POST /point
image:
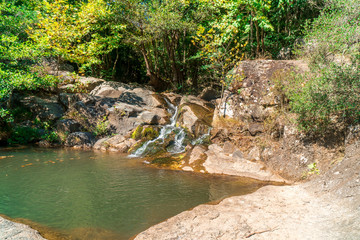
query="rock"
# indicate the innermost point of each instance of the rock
(68, 126)
(110, 89)
(228, 148)
(45, 109)
(254, 154)
(66, 99)
(17, 231)
(208, 94)
(257, 216)
(256, 128)
(173, 98)
(195, 118)
(162, 114)
(101, 144)
(197, 154)
(192, 100)
(117, 143)
(90, 83)
(237, 154)
(149, 118)
(220, 163)
(80, 139)
(187, 168)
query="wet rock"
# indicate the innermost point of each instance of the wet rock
(68, 126)
(17, 231)
(80, 139)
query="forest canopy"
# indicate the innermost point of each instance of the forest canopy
(177, 44)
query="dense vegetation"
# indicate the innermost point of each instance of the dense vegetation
(184, 45)
(328, 97)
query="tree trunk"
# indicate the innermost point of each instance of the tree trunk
(155, 81)
(257, 39)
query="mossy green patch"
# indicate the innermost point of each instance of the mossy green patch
(149, 133)
(137, 133)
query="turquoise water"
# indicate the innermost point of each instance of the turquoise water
(101, 195)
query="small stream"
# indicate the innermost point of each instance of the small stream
(90, 195)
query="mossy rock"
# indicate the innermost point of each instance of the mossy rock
(149, 132)
(145, 133)
(137, 133)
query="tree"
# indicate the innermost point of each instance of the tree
(81, 34)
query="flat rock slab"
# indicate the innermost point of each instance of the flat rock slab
(17, 231)
(273, 212)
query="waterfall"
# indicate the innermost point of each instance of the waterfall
(165, 131)
(201, 139)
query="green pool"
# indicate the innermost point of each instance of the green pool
(90, 195)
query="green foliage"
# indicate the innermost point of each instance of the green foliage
(18, 54)
(51, 137)
(23, 135)
(81, 33)
(328, 97)
(101, 128)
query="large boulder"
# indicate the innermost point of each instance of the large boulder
(110, 89)
(45, 108)
(68, 126)
(195, 115)
(221, 163)
(80, 140)
(117, 143)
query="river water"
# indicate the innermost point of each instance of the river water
(93, 195)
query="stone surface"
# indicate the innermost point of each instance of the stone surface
(117, 143)
(221, 163)
(195, 117)
(273, 212)
(208, 94)
(327, 207)
(68, 126)
(80, 139)
(197, 154)
(110, 89)
(17, 231)
(45, 108)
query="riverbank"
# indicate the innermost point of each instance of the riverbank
(327, 207)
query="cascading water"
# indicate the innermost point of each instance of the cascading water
(202, 139)
(180, 134)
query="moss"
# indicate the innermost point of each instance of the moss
(149, 133)
(137, 133)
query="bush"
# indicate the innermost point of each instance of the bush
(23, 135)
(328, 97)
